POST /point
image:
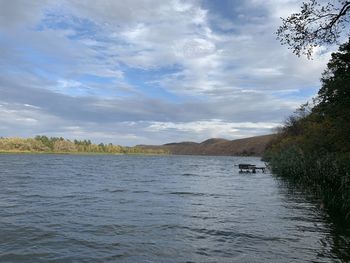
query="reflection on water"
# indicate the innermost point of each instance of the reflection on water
(336, 241)
(62, 208)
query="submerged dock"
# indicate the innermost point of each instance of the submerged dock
(250, 168)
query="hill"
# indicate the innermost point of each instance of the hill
(216, 146)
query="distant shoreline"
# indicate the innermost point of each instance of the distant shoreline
(51, 145)
(252, 146)
(78, 153)
(119, 154)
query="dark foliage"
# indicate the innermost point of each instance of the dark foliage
(313, 147)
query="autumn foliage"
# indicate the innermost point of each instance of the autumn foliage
(45, 144)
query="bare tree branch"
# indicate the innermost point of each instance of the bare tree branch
(315, 25)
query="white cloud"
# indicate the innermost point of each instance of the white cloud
(19, 13)
(175, 66)
(213, 128)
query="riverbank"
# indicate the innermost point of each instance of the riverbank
(312, 149)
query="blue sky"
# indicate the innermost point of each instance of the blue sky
(150, 72)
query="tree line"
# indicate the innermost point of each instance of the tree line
(44, 144)
(312, 148)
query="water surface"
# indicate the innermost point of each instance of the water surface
(71, 208)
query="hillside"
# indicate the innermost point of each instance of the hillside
(216, 146)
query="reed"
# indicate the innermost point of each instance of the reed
(326, 176)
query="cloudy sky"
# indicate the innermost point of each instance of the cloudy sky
(152, 72)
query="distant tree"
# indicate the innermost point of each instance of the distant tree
(294, 124)
(318, 23)
(45, 140)
(102, 147)
(64, 146)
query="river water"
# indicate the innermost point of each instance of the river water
(72, 208)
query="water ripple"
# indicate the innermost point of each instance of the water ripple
(61, 208)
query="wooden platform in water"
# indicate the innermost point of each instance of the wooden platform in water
(250, 168)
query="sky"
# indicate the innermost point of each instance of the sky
(149, 71)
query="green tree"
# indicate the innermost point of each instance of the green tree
(335, 89)
(45, 140)
(334, 98)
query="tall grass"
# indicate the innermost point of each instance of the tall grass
(326, 175)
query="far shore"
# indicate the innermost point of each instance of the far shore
(41, 144)
(119, 154)
(78, 153)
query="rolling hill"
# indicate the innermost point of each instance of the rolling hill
(216, 146)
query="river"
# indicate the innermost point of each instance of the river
(100, 208)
